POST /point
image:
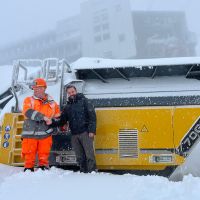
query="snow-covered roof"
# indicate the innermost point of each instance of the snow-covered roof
(98, 63)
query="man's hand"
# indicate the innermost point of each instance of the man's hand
(91, 135)
(47, 120)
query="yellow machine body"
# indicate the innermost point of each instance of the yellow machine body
(129, 138)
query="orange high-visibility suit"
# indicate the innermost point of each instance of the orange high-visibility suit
(35, 135)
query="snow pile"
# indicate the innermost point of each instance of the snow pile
(61, 184)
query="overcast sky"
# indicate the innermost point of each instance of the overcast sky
(21, 19)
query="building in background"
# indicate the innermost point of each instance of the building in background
(109, 29)
(30, 48)
(162, 34)
(63, 42)
(68, 38)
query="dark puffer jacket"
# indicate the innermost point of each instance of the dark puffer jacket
(80, 114)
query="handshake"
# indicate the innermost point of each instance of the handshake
(63, 128)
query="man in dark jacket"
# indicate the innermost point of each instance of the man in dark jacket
(82, 122)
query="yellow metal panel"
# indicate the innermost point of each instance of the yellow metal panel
(10, 139)
(155, 131)
(6, 144)
(158, 122)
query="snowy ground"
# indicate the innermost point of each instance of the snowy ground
(58, 184)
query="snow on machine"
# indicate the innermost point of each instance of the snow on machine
(148, 112)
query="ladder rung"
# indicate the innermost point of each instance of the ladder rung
(17, 150)
(18, 137)
(20, 124)
(17, 140)
(16, 153)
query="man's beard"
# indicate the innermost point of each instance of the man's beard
(72, 97)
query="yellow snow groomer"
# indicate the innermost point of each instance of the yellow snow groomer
(147, 115)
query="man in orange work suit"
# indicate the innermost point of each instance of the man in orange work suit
(36, 136)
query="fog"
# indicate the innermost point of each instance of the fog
(23, 19)
(190, 7)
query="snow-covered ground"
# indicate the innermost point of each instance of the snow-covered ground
(59, 184)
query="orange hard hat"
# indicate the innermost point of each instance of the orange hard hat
(39, 82)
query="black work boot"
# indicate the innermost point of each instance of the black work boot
(43, 168)
(29, 169)
(83, 167)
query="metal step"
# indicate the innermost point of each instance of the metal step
(17, 152)
(17, 138)
(20, 124)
